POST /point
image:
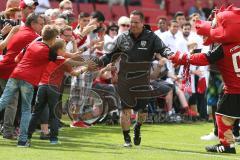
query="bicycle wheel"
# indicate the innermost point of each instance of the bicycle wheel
(90, 112)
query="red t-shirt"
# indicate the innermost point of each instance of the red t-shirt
(100, 80)
(33, 63)
(21, 39)
(54, 72)
(229, 67)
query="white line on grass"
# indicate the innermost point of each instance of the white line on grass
(199, 154)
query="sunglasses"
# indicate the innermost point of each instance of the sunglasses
(125, 25)
(113, 29)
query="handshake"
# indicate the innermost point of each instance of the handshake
(179, 58)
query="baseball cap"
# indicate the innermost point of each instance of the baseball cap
(27, 3)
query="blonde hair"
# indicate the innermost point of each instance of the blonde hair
(11, 12)
(61, 4)
(123, 20)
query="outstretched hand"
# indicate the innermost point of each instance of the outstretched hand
(91, 65)
(179, 59)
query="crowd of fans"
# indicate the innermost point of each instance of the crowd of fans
(24, 58)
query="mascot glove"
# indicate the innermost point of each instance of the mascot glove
(179, 59)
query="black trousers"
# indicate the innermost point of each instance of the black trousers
(46, 96)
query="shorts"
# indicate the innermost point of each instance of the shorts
(228, 105)
(141, 104)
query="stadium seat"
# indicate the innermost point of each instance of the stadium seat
(54, 4)
(76, 10)
(3, 5)
(86, 7)
(151, 15)
(235, 2)
(150, 4)
(132, 8)
(219, 3)
(188, 5)
(118, 11)
(105, 9)
(175, 6)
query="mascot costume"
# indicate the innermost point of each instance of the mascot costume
(223, 30)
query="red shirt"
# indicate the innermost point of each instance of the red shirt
(229, 67)
(33, 63)
(54, 72)
(20, 40)
(100, 80)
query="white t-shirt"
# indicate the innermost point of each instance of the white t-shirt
(171, 41)
(194, 37)
(159, 33)
(69, 47)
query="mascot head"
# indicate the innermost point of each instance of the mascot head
(224, 28)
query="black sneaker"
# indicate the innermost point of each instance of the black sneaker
(137, 134)
(219, 148)
(23, 144)
(1, 129)
(127, 140)
(10, 137)
(127, 144)
(237, 140)
(44, 136)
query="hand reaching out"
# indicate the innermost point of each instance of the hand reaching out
(6, 29)
(91, 65)
(88, 29)
(15, 29)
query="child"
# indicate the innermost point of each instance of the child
(48, 91)
(26, 75)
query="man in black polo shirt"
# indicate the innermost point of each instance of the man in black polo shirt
(137, 48)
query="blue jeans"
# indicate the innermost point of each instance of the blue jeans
(9, 113)
(26, 92)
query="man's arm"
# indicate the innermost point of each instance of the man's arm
(4, 43)
(106, 59)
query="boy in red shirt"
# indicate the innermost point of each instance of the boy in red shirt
(48, 91)
(26, 75)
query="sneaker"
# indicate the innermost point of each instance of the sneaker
(237, 140)
(191, 113)
(79, 124)
(1, 129)
(127, 144)
(24, 144)
(44, 136)
(137, 135)
(10, 137)
(55, 142)
(219, 148)
(209, 137)
(127, 140)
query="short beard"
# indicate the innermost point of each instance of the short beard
(186, 34)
